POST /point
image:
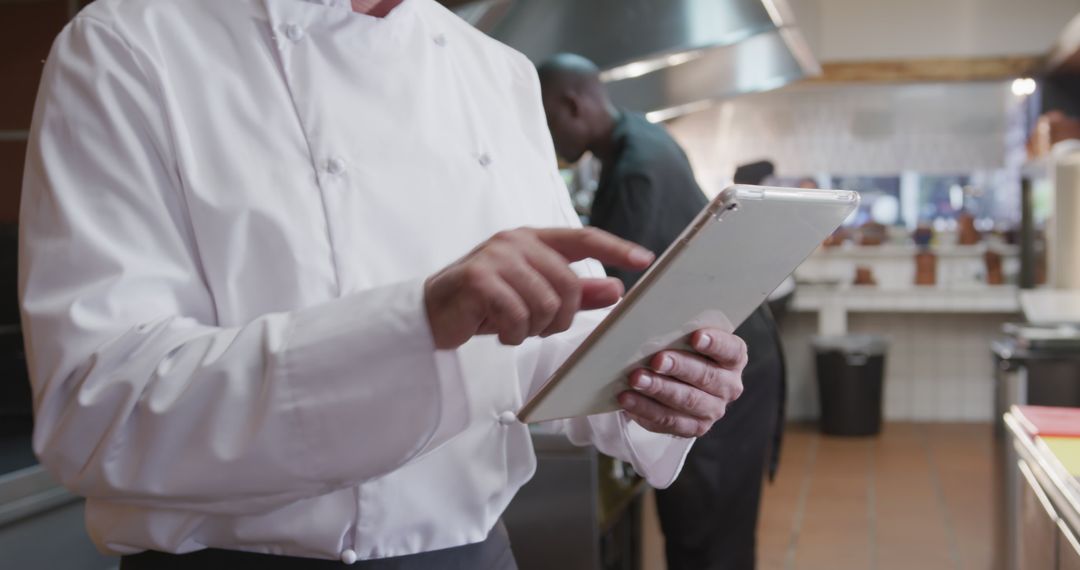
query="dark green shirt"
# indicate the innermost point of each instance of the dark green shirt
(647, 193)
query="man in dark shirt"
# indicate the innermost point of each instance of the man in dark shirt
(647, 194)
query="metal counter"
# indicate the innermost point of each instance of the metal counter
(42, 527)
(1042, 505)
(580, 511)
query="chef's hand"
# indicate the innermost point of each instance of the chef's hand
(519, 284)
(683, 393)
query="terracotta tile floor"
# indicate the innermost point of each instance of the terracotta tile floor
(919, 496)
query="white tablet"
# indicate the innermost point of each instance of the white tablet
(726, 262)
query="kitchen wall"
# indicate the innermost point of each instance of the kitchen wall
(938, 366)
(852, 129)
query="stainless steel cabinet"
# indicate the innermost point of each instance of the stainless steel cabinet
(575, 514)
(1037, 549)
(552, 521)
(1044, 510)
(1068, 548)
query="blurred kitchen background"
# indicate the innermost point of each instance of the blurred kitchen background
(950, 297)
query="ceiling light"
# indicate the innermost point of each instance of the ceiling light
(1023, 86)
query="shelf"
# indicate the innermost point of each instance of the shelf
(909, 250)
(987, 299)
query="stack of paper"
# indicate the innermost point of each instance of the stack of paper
(1059, 429)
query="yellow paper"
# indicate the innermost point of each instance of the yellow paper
(1067, 450)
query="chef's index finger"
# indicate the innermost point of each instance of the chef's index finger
(581, 243)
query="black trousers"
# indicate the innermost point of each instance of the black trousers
(491, 554)
(709, 515)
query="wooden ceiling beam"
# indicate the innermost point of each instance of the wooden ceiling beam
(929, 70)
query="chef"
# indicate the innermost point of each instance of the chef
(289, 267)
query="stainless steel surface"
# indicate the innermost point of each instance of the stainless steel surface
(29, 491)
(565, 517)
(667, 57)
(1009, 523)
(1037, 549)
(1028, 373)
(1057, 491)
(1033, 366)
(52, 539)
(765, 61)
(617, 32)
(1045, 336)
(552, 520)
(1068, 548)
(41, 525)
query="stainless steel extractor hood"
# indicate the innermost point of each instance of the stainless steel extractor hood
(658, 55)
(763, 62)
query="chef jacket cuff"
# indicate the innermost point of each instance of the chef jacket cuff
(657, 457)
(370, 390)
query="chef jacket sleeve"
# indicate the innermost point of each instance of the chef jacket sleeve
(138, 396)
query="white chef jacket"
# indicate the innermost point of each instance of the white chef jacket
(228, 213)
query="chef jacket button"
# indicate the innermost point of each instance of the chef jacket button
(506, 418)
(335, 166)
(294, 32)
(348, 556)
(439, 39)
(484, 160)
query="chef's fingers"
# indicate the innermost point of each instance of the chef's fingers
(659, 418)
(567, 284)
(504, 309)
(703, 373)
(582, 243)
(600, 293)
(684, 398)
(541, 298)
(722, 347)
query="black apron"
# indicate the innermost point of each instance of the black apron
(491, 554)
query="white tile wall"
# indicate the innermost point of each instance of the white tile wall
(938, 367)
(823, 128)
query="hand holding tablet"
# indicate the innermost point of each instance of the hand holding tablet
(683, 393)
(740, 248)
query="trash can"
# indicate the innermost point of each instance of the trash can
(850, 373)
